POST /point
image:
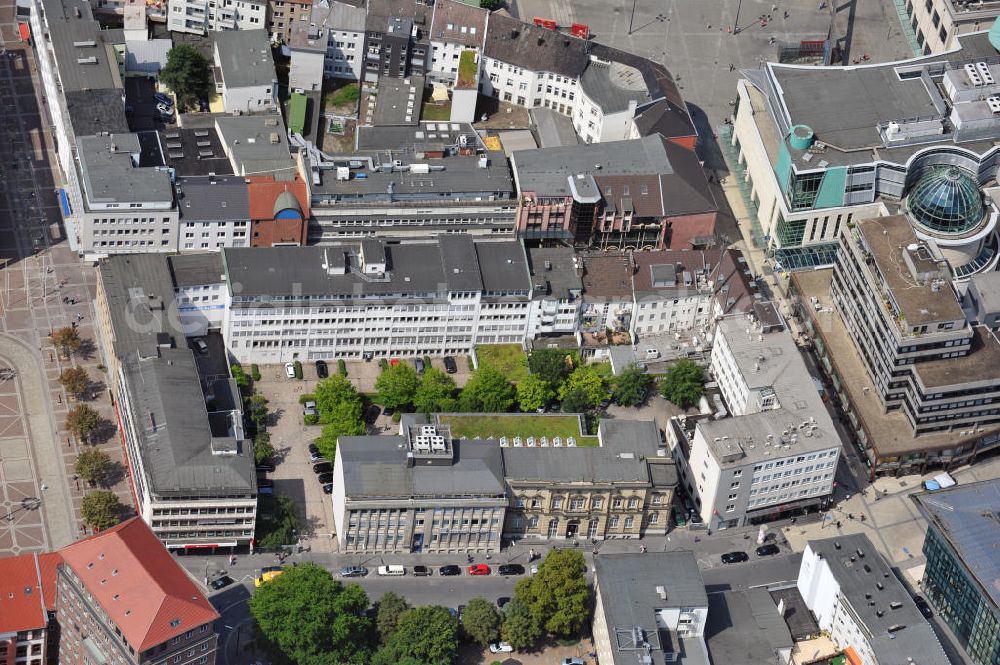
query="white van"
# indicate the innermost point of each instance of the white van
(391, 571)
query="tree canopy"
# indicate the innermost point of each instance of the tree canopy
(93, 465)
(340, 411)
(683, 384)
(533, 393)
(75, 380)
(82, 421)
(101, 509)
(308, 618)
(426, 635)
(553, 365)
(388, 610)
(436, 393)
(481, 621)
(487, 391)
(519, 627)
(491, 5)
(631, 386)
(585, 380)
(557, 596)
(262, 448)
(67, 340)
(397, 385)
(187, 74)
(278, 521)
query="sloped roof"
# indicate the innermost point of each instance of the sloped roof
(534, 48)
(138, 584)
(265, 193)
(22, 603)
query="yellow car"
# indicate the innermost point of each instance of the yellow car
(267, 574)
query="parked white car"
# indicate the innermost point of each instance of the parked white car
(501, 647)
(290, 370)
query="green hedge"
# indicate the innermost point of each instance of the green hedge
(255, 372)
(298, 369)
(342, 368)
(306, 397)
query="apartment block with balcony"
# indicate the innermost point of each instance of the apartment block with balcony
(455, 28)
(201, 17)
(421, 491)
(329, 45)
(917, 381)
(396, 39)
(190, 464)
(557, 291)
(777, 452)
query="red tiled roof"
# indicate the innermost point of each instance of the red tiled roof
(138, 584)
(264, 191)
(47, 564)
(22, 606)
(691, 231)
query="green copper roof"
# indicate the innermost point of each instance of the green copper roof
(995, 34)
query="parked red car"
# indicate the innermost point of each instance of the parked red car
(479, 569)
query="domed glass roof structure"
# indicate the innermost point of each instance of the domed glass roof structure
(946, 199)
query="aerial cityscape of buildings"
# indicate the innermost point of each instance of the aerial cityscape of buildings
(705, 361)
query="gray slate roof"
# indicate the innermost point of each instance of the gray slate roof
(375, 466)
(414, 269)
(968, 517)
(245, 58)
(614, 86)
(196, 269)
(204, 198)
(94, 111)
(562, 280)
(916, 639)
(175, 433)
(66, 30)
(533, 48)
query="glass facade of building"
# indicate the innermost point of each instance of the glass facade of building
(960, 601)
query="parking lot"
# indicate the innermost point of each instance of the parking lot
(141, 104)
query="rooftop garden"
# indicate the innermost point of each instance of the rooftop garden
(467, 70)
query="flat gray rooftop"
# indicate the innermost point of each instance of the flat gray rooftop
(553, 268)
(399, 101)
(84, 52)
(213, 198)
(457, 176)
(896, 629)
(109, 175)
(745, 627)
(256, 144)
(968, 518)
(245, 58)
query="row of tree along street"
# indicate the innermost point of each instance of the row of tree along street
(305, 616)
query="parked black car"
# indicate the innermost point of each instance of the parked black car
(502, 601)
(313, 449)
(322, 371)
(265, 482)
(449, 365)
(265, 467)
(325, 479)
(221, 582)
(422, 571)
(511, 569)
(322, 467)
(735, 557)
(328, 488)
(448, 571)
(922, 605)
(768, 550)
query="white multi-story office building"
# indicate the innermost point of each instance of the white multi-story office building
(245, 71)
(329, 45)
(866, 610)
(200, 17)
(190, 464)
(214, 213)
(371, 299)
(777, 452)
(557, 291)
(126, 208)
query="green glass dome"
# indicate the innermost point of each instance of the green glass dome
(946, 199)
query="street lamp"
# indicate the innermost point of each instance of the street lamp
(27, 503)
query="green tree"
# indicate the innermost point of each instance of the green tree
(278, 521)
(631, 385)
(487, 391)
(75, 380)
(187, 74)
(481, 621)
(67, 340)
(426, 635)
(491, 5)
(262, 448)
(533, 393)
(387, 612)
(557, 596)
(308, 618)
(585, 379)
(257, 410)
(519, 627)
(93, 465)
(397, 385)
(82, 421)
(683, 384)
(240, 377)
(553, 365)
(340, 411)
(436, 393)
(101, 510)
(575, 401)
